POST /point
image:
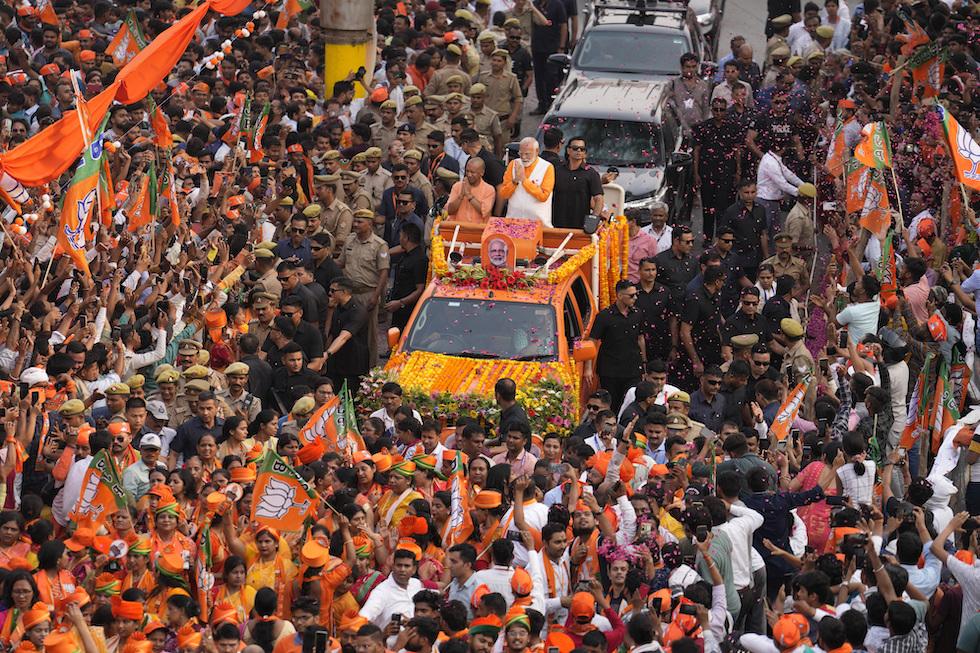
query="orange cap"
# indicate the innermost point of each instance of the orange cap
(788, 631)
(521, 583)
(583, 606)
(59, 642)
(86, 55)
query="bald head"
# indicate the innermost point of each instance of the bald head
(745, 55)
(474, 170)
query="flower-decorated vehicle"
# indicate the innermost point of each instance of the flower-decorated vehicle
(507, 299)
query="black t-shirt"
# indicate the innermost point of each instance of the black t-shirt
(675, 273)
(619, 349)
(494, 168)
(770, 127)
(547, 38)
(716, 158)
(741, 324)
(748, 227)
(655, 307)
(327, 272)
(701, 312)
(574, 190)
(410, 270)
(352, 358)
(520, 64)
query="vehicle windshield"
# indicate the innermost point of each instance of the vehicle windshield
(615, 142)
(640, 53)
(484, 328)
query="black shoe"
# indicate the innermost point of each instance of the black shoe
(540, 111)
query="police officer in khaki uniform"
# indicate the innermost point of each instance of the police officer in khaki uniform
(187, 353)
(376, 179)
(264, 309)
(355, 197)
(413, 161)
(437, 83)
(314, 225)
(434, 110)
(415, 116)
(741, 346)
(337, 216)
(385, 131)
(798, 362)
(331, 161)
(136, 385)
(116, 396)
(488, 43)
(241, 401)
(455, 84)
(166, 392)
(503, 90)
(784, 262)
(454, 108)
(365, 262)
(485, 120)
(302, 409)
(187, 404)
(265, 267)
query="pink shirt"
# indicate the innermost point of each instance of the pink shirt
(917, 294)
(523, 466)
(642, 245)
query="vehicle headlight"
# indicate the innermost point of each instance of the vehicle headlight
(647, 202)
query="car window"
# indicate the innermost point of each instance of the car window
(581, 293)
(479, 328)
(573, 331)
(615, 142)
(644, 53)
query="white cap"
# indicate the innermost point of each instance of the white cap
(150, 441)
(33, 376)
(157, 409)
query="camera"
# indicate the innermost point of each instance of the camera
(905, 511)
(852, 543)
(688, 608)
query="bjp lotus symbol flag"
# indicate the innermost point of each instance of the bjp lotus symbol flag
(78, 203)
(102, 492)
(963, 149)
(874, 150)
(282, 498)
(787, 412)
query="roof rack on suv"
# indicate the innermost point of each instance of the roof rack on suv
(609, 6)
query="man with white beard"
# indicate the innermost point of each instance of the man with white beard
(528, 184)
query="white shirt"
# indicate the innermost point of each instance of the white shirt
(661, 400)
(497, 579)
(859, 488)
(774, 179)
(969, 578)
(860, 319)
(536, 516)
(740, 527)
(71, 491)
(663, 238)
(136, 361)
(389, 598)
(798, 38)
(553, 609)
(389, 421)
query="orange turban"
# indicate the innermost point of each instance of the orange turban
(352, 621)
(38, 614)
(127, 609)
(224, 612)
(137, 643)
(187, 637)
(59, 642)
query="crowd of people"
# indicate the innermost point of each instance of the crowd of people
(757, 440)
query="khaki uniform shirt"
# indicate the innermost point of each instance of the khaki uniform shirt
(382, 136)
(363, 261)
(421, 182)
(361, 199)
(795, 267)
(526, 20)
(376, 184)
(502, 92)
(269, 283)
(422, 133)
(799, 225)
(246, 402)
(260, 331)
(775, 42)
(487, 124)
(437, 84)
(337, 219)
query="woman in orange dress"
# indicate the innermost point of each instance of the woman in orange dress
(207, 451)
(234, 590)
(166, 538)
(52, 577)
(184, 487)
(170, 581)
(137, 566)
(11, 543)
(19, 594)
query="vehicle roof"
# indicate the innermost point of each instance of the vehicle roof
(653, 20)
(611, 99)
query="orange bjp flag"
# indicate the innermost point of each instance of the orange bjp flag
(875, 215)
(835, 154)
(323, 424)
(102, 494)
(282, 499)
(140, 214)
(128, 41)
(787, 412)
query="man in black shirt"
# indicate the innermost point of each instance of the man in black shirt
(347, 354)
(659, 319)
(701, 324)
(307, 336)
(409, 276)
(493, 173)
(292, 373)
(326, 268)
(748, 220)
(676, 267)
(747, 320)
(716, 152)
(281, 333)
(735, 279)
(578, 189)
(622, 350)
(520, 59)
(778, 306)
(549, 35)
(289, 279)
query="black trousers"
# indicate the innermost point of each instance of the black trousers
(545, 77)
(716, 196)
(617, 387)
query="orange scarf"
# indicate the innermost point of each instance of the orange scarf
(589, 568)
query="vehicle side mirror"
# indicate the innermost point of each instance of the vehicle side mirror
(681, 159)
(585, 350)
(559, 59)
(394, 335)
